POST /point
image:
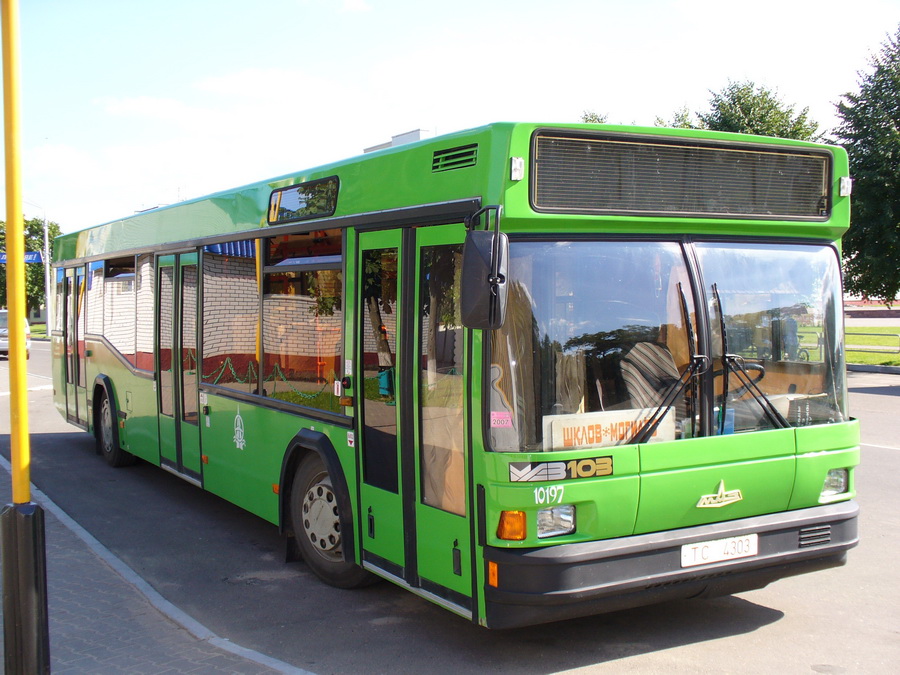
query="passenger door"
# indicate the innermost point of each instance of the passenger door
(379, 368)
(411, 388)
(76, 390)
(177, 366)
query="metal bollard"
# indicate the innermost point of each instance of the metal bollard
(26, 630)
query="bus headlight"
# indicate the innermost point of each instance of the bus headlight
(555, 521)
(837, 481)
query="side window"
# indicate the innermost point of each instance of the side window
(119, 316)
(59, 305)
(95, 298)
(231, 316)
(441, 379)
(303, 318)
(144, 280)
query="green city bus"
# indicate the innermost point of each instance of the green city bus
(528, 372)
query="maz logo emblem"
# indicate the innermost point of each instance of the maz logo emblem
(720, 498)
(239, 440)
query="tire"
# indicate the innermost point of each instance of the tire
(317, 527)
(106, 436)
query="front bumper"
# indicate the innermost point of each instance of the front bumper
(573, 580)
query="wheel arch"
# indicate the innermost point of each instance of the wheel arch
(307, 441)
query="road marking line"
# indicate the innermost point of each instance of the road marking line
(882, 447)
(43, 387)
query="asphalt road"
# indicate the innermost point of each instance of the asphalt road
(225, 568)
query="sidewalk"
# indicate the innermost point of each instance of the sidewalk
(105, 619)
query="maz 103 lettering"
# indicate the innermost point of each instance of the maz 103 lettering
(593, 467)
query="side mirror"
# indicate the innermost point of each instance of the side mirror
(484, 289)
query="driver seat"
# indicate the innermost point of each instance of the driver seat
(648, 370)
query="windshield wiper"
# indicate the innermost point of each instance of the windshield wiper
(735, 363)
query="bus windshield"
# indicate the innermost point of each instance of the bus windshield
(602, 336)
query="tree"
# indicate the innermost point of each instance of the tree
(745, 108)
(590, 117)
(870, 131)
(681, 119)
(34, 273)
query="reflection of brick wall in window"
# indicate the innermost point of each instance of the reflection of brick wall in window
(119, 315)
(389, 319)
(95, 302)
(230, 313)
(305, 346)
(189, 304)
(166, 291)
(145, 314)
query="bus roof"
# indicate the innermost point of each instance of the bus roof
(469, 164)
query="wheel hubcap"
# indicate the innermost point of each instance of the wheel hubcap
(321, 523)
(106, 427)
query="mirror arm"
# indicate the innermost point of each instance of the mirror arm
(473, 221)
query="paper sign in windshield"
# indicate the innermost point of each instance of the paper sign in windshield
(602, 429)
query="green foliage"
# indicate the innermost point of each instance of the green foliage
(744, 108)
(870, 130)
(590, 117)
(34, 273)
(681, 119)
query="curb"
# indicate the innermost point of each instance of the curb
(163, 606)
(863, 368)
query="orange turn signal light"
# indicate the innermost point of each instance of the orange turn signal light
(493, 574)
(512, 526)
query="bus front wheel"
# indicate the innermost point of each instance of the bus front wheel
(317, 526)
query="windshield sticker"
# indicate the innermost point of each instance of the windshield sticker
(602, 429)
(501, 420)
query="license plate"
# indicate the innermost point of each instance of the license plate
(719, 550)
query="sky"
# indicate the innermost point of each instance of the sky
(128, 105)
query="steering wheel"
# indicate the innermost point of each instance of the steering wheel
(757, 368)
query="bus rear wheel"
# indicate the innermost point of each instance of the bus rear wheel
(315, 517)
(106, 437)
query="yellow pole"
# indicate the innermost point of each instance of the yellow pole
(26, 626)
(20, 451)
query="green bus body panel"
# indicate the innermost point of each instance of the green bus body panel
(820, 449)
(676, 475)
(135, 401)
(244, 466)
(607, 507)
(445, 531)
(383, 508)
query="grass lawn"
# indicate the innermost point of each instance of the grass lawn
(884, 339)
